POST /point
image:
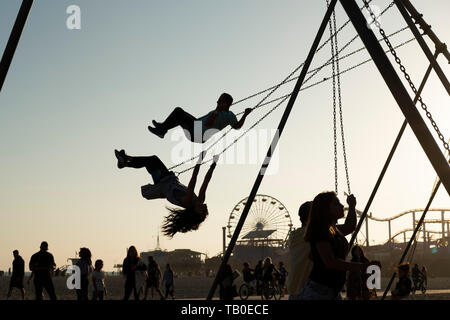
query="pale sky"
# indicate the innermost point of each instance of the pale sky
(72, 96)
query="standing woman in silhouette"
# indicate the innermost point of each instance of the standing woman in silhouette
(131, 264)
(329, 247)
(85, 265)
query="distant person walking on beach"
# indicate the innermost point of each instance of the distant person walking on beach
(85, 265)
(201, 129)
(404, 285)
(357, 280)
(42, 264)
(131, 264)
(18, 273)
(300, 263)
(227, 291)
(98, 281)
(415, 275)
(153, 278)
(193, 210)
(282, 278)
(424, 276)
(168, 281)
(329, 247)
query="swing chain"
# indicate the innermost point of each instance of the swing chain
(337, 80)
(407, 76)
(333, 68)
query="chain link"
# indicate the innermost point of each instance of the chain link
(333, 71)
(341, 117)
(406, 75)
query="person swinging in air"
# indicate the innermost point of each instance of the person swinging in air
(201, 129)
(193, 210)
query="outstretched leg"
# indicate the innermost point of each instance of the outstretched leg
(153, 164)
(178, 117)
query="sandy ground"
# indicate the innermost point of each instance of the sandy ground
(196, 288)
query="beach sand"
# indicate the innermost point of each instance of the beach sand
(195, 288)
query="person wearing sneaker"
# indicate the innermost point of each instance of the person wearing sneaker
(201, 129)
(166, 185)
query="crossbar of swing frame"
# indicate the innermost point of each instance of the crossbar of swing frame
(440, 46)
(13, 40)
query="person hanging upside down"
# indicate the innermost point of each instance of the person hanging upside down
(166, 185)
(201, 129)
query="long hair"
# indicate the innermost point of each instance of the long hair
(182, 220)
(132, 250)
(320, 222)
(85, 254)
(268, 261)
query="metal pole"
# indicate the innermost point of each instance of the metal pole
(414, 219)
(405, 252)
(442, 47)
(424, 237)
(399, 92)
(448, 229)
(388, 160)
(390, 236)
(224, 241)
(423, 45)
(367, 233)
(273, 146)
(443, 223)
(13, 40)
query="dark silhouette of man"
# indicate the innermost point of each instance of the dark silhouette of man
(18, 273)
(42, 264)
(201, 129)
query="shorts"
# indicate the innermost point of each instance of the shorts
(315, 291)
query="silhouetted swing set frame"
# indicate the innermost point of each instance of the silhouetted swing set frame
(395, 85)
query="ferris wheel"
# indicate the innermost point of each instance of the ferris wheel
(267, 216)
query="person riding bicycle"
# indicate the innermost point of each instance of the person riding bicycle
(248, 273)
(269, 270)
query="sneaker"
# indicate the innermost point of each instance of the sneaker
(120, 155)
(157, 131)
(156, 124)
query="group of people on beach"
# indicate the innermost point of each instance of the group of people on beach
(139, 277)
(265, 272)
